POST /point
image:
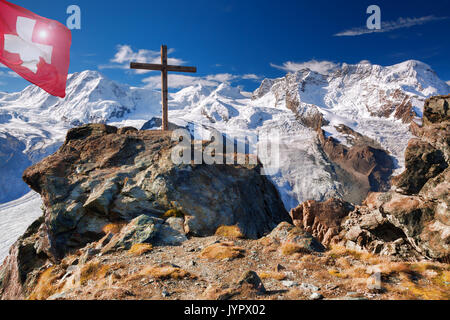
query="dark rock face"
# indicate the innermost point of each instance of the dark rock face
(322, 219)
(413, 220)
(20, 270)
(436, 110)
(423, 162)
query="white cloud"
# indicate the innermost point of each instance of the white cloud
(125, 54)
(388, 26)
(448, 82)
(9, 74)
(13, 74)
(177, 81)
(322, 67)
(251, 76)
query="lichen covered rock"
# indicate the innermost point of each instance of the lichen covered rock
(102, 175)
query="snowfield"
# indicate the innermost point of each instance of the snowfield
(363, 97)
(15, 217)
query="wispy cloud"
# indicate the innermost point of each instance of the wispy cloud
(387, 26)
(322, 67)
(177, 81)
(9, 74)
(448, 82)
(125, 54)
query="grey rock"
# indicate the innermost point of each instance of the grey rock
(316, 296)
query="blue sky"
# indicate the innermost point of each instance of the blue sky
(242, 41)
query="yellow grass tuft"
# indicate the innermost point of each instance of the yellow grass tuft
(166, 272)
(337, 274)
(93, 271)
(289, 249)
(46, 286)
(173, 213)
(427, 292)
(139, 249)
(265, 241)
(232, 232)
(272, 275)
(221, 251)
(113, 228)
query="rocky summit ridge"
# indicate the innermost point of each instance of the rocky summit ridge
(122, 221)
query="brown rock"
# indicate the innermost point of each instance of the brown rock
(436, 110)
(423, 162)
(321, 219)
(252, 280)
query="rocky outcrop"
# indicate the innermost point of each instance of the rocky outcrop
(104, 179)
(102, 175)
(322, 219)
(413, 219)
(286, 234)
(423, 162)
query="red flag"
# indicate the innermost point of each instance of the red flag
(36, 48)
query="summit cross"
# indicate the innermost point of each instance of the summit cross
(164, 68)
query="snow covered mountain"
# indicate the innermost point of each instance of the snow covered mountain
(377, 102)
(33, 124)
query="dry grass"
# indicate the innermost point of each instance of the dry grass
(272, 275)
(47, 285)
(166, 272)
(93, 271)
(218, 293)
(139, 249)
(337, 274)
(221, 251)
(266, 241)
(113, 228)
(173, 213)
(290, 248)
(401, 280)
(232, 232)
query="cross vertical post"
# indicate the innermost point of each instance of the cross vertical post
(164, 68)
(164, 89)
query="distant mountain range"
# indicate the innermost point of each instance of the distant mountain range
(354, 105)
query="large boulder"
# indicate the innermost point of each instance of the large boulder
(113, 188)
(322, 219)
(423, 162)
(102, 175)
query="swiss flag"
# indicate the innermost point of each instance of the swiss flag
(36, 48)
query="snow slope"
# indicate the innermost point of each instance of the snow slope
(15, 217)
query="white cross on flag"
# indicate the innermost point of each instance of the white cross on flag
(36, 48)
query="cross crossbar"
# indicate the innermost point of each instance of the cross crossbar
(164, 68)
